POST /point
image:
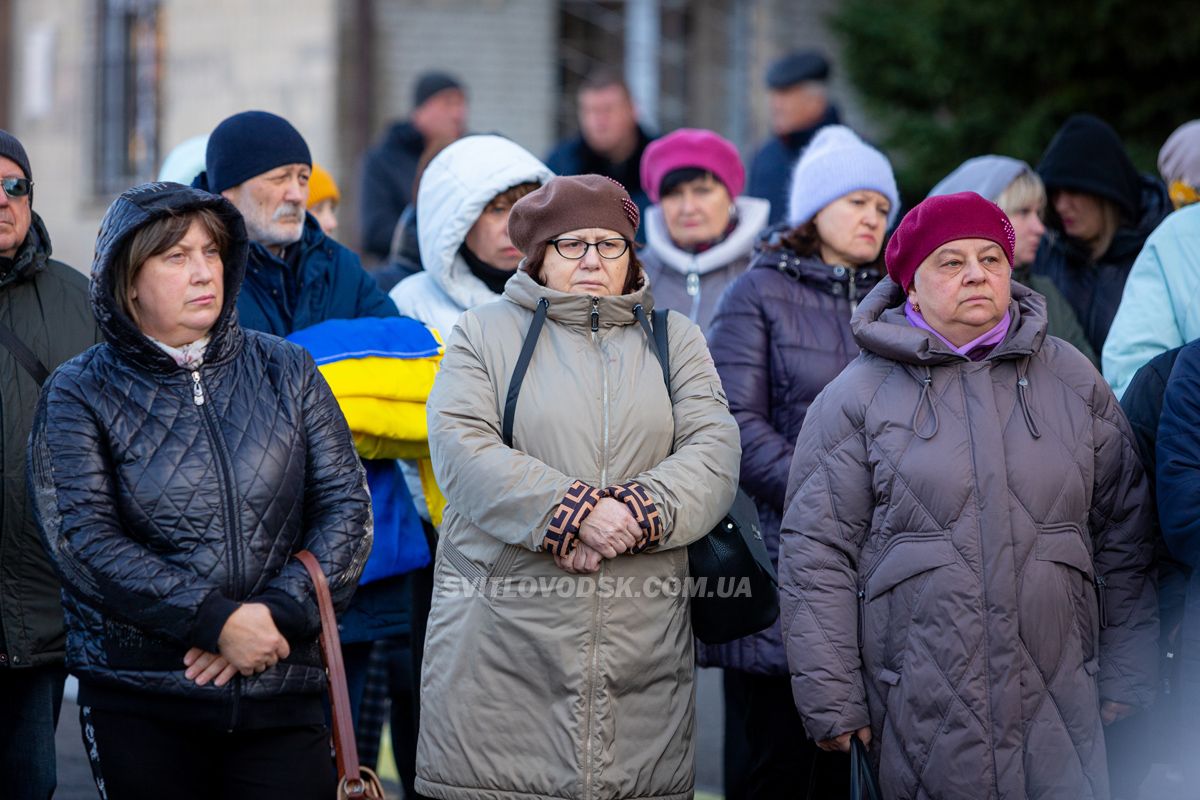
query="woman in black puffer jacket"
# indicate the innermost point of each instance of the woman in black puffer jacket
(176, 469)
(781, 332)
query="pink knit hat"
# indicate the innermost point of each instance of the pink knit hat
(941, 219)
(692, 147)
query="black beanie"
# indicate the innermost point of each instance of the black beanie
(249, 144)
(1086, 155)
(12, 149)
(431, 83)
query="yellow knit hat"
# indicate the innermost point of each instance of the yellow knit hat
(321, 187)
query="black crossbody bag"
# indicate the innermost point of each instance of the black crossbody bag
(24, 356)
(740, 593)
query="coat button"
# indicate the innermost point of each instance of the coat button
(839, 271)
(3, 658)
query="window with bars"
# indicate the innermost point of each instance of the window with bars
(128, 93)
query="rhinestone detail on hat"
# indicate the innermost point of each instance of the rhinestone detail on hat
(1010, 233)
(631, 211)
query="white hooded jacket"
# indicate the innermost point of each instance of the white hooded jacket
(455, 188)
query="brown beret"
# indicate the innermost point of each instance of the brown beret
(570, 202)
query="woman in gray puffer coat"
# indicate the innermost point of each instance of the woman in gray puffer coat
(965, 553)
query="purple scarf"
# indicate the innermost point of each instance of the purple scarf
(977, 349)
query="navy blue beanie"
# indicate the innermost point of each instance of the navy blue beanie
(249, 144)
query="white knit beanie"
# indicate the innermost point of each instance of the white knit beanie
(834, 164)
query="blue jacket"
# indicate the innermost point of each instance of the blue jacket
(1160, 308)
(332, 285)
(1178, 451)
(771, 171)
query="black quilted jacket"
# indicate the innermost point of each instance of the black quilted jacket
(167, 497)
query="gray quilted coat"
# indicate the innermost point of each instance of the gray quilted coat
(964, 561)
(162, 513)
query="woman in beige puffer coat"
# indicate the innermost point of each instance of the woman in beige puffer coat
(965, 556)
(557, 663)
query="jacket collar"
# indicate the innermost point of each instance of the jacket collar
(311, 238)
(575, 310)
(32, 256)
(752, 218)
(811, 271)
(879, 326)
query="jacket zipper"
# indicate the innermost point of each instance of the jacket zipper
(853, 294)
(588, 740)
(1101, 586)
(862, 615)
(693, 289)
(225, 478)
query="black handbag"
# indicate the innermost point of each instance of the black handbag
(739, 594)
(863, 785)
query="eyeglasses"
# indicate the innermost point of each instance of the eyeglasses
(575, 249)
(16, 187)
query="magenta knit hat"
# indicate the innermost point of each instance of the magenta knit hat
(941, 219)
(692, 147)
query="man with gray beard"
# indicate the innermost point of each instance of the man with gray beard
(296, 276)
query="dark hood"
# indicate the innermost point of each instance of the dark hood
(32, 255)
(1086, 155)
(134, 209)
(879, 325)
(1154, 205)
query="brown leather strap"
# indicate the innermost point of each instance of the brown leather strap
(339, 697)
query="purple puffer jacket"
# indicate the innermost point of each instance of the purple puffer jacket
(965, 561)
(781, 332)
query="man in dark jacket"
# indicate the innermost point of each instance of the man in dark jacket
(610, 140)
(44, 320)
(799, 107)
(296, 275)
(439, 115)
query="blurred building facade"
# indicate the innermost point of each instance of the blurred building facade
(101, 90)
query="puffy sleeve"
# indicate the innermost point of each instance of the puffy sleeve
(337, 513)
(1123, 554)
(1158, 309)
(74, 491)
(741, 349)
(692, 489)
(825, 523)
(505, 492)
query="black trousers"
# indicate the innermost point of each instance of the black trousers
(30, 700)
(777, 758)
(142, 758)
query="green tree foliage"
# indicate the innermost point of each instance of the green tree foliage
(951, 79)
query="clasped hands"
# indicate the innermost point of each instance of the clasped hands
(249, 643)
(606, 532)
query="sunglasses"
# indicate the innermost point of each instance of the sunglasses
(16, 187)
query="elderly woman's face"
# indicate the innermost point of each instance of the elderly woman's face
(593, 273)
(177, 294)
(962, 289)
(696, 211)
